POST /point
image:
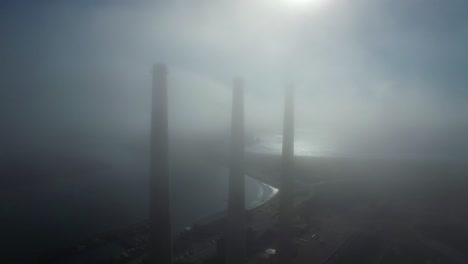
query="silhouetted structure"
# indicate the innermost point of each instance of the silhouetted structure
(160, 210)
(235, 232)
(287, 180)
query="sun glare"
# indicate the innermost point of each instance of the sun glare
(304, 2)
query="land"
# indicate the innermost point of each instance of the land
(381, 211)
(346, 211)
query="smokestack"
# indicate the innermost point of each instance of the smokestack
(235, 243)
(160, 210)
(287, 180)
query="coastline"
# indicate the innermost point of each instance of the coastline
(269, 192)
(114, 236)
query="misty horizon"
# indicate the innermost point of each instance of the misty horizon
(379, 146)
(86, 76)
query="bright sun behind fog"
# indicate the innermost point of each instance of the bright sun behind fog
(302, 2)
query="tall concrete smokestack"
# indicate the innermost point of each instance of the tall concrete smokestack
(235, 233)
(160, 209)
(287, 181)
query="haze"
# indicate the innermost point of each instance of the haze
(384, 72)
(380, 80)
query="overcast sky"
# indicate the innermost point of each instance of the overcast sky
(385, 75)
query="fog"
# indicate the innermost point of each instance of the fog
(81, 72)
(375, 79)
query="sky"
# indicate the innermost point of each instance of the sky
(378, 76)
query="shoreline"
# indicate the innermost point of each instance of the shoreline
(267, 189)
(93, 243)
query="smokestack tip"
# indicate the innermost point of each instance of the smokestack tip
(160, 68)
(238, 82)
(290, 91)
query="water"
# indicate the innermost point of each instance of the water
(69, 209)
(309, 143)
(306, 143)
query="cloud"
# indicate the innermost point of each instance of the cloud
(363, 70)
